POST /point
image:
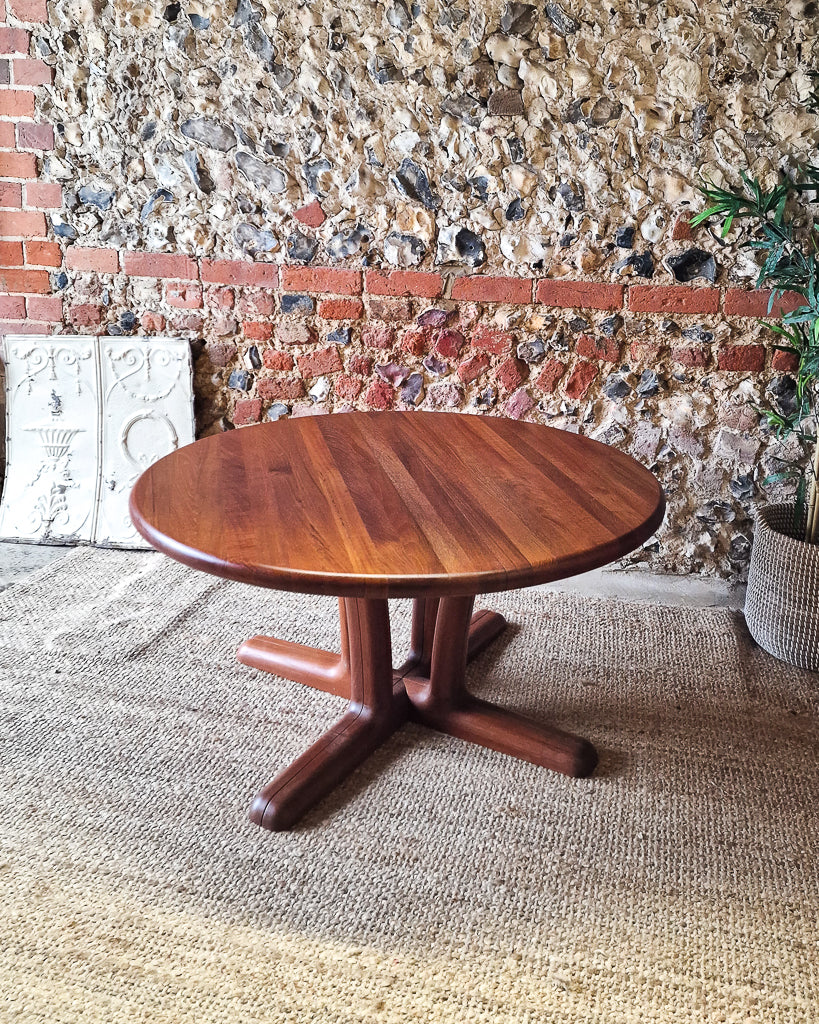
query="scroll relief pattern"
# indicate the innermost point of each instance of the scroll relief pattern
(84, 417)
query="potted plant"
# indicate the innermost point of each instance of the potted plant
(782, 604)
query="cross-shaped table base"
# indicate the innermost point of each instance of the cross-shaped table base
(429, 688)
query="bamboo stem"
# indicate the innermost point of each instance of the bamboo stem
(812, 519)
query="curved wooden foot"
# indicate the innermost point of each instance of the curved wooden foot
(484, 627)
(308, 665)
(443, 702)
(322, 767)
(492, 726)
(319, 669)
(373, 715)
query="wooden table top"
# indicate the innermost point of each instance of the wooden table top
(396, 504)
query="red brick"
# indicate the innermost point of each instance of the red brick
(16, 103)
(741, 358)
(184, 296)
(472, 368)
(23, 327)
(100, 261)
(11, 254)
(606, 350)
(321, 279)
(681, 231)
(275, 360)
(12, 307)
(44, 195)
(87, 314)
(160, 264)
(312, 214)
(380, 395)
(256, 304)
(295, 334)
(314, 364)
(28, 282)
(511, 374)
(13, 40)
(348, 388)
(11, 194)
(691, 355)
(274, 389)
(48, 308)
(362, 365)
(580, 379)
(391, 310)
(247, 410)
(785, 362)
(742, 302)
(257, 330)
(378, 337)
(415, 341)
(643, 351)
(340, 309)
(23, 224)
(240, 272)
(32, 11)
(519, 404)
(155, 323)
(483, 288)
(486, 339)
(549, 375)
(187, 322)
(672, 298)
(7, 135)
(221, 353)
(404, 282)
(222, 298)
(580, 294)
(18, 165)
(449, 343)
(28, 71)
(223, 325)
(35, 136)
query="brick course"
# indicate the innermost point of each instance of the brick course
(580, 294)
(321, 279)
(160, 264)
(672, 298)
(483, 288)
(101, 261)
(404, 282)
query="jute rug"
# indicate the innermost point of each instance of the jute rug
(444, 882)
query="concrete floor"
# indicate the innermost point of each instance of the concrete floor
(19, 560)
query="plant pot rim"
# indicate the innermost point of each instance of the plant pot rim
(777, 517)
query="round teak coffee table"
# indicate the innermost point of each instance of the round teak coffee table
(438, 507)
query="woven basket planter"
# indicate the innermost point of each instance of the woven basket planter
(782, 603)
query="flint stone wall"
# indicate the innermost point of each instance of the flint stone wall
(399, 205)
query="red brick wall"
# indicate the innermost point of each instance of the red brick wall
(47, 285)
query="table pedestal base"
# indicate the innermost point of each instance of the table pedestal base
(429, 688)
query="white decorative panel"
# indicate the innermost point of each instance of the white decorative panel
(147, 412)
(84, 417)
(50, 490)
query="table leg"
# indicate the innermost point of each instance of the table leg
(441, 700)
(430, 687)
(374, 713)
(330, 672)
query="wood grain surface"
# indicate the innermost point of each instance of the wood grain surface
(396, 504)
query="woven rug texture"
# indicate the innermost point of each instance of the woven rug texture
(442, 882)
